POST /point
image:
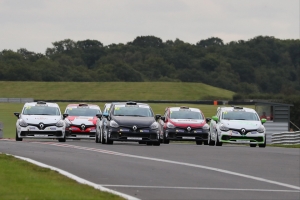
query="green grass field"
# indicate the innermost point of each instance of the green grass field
(29, 183)
(112, 91)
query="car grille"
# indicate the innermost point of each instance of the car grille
(49, 133)
(231, 138)
(44, 126)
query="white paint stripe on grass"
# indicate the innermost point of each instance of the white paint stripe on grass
(78, 179)
(200, 188)
(181, 163)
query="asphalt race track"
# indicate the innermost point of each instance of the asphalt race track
(173, 171)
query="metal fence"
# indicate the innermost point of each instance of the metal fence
(15, 100)
(1, 130)
(286, 138)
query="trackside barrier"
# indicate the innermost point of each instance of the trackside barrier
(286, 138)
(15, 100)
(1, 130)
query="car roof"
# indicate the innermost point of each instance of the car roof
(83, 104)
(41, 103)
(184, 108)
(237, 108)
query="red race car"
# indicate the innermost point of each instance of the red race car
(184, 124)
(81, 120)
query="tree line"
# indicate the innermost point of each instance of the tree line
(260, 65)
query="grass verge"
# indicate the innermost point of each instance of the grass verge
(23, 180)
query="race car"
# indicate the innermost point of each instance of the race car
(131, 121)
(237, 125)
(101, 122)
(81, 120)
(184, 124)
(40, 120)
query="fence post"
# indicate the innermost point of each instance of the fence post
(1, 130)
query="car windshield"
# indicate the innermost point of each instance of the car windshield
(122, 110)
(82, 112)
(185, 115)
(239, 115)
(41, 110)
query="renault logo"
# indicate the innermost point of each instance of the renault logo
(134, 128)
(41, 125)
(82, 126)
(189, 128)
(243, 130)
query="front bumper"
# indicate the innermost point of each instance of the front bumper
(76, 133)
(184, 135)
(51, 132)
(237, 138)
(125, 134)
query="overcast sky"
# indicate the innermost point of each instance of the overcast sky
(36, 24)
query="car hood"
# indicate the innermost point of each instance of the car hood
(129, 121)
(238, 124)
(78, 120)
(188, 122)
(36, 119)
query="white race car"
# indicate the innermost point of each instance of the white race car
(40, 120)
(237, 125)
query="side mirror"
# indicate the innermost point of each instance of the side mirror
(99, 116)
(208, 119)
(263, 120)
(17, 114)
(65, 115)
(105, 114)
(215, 118)
(157, 116)
(163, 118)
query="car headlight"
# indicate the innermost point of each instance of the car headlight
(114, 124)
(170, 125)
(60, 123)
(22, 123)
(205, 128)
(154, 125)
(261, 129)
(223, 127)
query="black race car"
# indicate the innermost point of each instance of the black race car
(131, 121)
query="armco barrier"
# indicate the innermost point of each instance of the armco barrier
(286, 138)
(16, 100)
(1, 130)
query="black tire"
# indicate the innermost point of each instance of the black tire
(156, 143)
(62, 139)
(142, 142)
(218, 143)
(210, 142)
(17, 137)
(96, 138)
(264, 144)
(199, 142)
(149, 143)
(102, 138)
(205, 142)
(252, 145)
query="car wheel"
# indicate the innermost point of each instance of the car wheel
(199, 142)
(142, 142)
(108, 141)
(102, 138)
(157, 143)
(252, 145)
(96, 138)
(210, 142)
(264, 144)
(17, 137)
(165, 140)
(205, 142)
(218, 143)
(62, 139)
(149, 143)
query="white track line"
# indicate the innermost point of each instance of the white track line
(175, 162)
(200, 188)
(78, 179)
